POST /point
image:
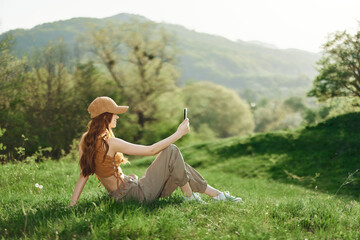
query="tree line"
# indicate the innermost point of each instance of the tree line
(45, 94)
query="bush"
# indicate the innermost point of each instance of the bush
(220, 108)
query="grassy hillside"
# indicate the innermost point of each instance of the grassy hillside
(321, 155)
(275, 206)
(238, 65)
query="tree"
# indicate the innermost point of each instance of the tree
(11, 70)
(220, 108)
(339, 72)
(294, 104)
(86, 87)
(11, 95)
(268, 115)
(140, 58)
(50, 108)
(279, 114)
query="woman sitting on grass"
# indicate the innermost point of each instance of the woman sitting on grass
(102, 153)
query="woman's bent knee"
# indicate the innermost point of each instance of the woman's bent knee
(171, 147)
(174, 147)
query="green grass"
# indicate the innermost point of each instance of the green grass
(331, 149)
(275, 206)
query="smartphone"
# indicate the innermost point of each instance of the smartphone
(185, 113)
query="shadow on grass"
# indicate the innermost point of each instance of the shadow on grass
(80, 218)
(320, 156)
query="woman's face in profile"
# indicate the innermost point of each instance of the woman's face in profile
(113, 121)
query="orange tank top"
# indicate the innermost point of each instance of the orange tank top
(108, 166)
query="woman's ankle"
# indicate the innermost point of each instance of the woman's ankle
(186, 190)
(212, 192)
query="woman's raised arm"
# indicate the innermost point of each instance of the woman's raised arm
(119, 145)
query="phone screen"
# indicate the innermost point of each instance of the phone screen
(185, 113)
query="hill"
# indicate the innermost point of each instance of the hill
(243, 66)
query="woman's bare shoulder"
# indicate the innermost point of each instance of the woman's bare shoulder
(111, 140)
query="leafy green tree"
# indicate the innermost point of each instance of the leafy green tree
(11, 95)
(339, 68)
(268, 115)
(224, 112)
(295, 104)
(49, 107)
(278, 114)
(11, 74)
(86, 87)
(140, 58)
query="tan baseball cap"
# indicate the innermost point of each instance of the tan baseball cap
(105, 104)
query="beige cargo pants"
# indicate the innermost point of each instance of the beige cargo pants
(163, 176)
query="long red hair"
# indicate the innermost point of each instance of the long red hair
(97, 126)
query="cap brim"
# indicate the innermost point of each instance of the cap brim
(121, 109)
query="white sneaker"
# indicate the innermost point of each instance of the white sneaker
(225, 196)
(194, 198)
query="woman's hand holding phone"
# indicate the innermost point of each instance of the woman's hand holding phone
(184, 127)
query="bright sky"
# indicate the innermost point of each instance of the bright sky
(302, 24)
